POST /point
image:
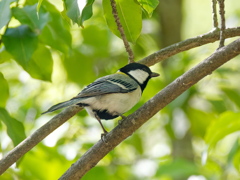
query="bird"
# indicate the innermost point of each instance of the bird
(111, 96)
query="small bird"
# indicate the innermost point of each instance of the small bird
(111, 96)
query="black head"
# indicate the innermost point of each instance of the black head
(139, 72)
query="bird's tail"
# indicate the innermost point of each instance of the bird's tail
(62, 105)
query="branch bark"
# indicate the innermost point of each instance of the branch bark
(32, 140)
(149, 109)
(188, 44)
(223, 27)
(214, 12)
(62, 117)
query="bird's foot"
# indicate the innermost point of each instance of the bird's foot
(103, 136)
(121, 120)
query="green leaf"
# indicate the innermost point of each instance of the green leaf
(41, 64)
(99, 43)
(234, 150)
(86, 12)
(44, 156)
(130, 15)
(5, 12)
(56, 33)
(236, 161)
(227, 123)
(15, 129)
(39, 5)
(4, 91)
(149, 5)
(4, 55)
(200, 121)
(78, 63)
(218, 105)
(77, 13)
(179, 168)
(21, 42)
(72, 10)
(136, 141)
(233, 94)
(101, 172)
(28, 15)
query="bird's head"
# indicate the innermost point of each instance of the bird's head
(139, 72)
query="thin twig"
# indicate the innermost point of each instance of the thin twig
(188, 44)
(149, 109)
(214, 12)
(56, 121)
(121, 30)
(223, 26)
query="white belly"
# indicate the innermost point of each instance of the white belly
(116, 103)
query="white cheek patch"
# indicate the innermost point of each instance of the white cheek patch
(139, 75)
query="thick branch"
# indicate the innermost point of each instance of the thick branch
(143, 114)
(56, 121)
(37, 137)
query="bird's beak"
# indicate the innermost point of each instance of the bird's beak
(154, 74)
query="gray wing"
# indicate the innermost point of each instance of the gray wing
(117, 83)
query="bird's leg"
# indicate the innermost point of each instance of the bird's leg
(122, 116)
(104, 130)
(121, 120)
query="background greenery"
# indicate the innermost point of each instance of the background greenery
(45, 59)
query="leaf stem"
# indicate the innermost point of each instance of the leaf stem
(121, 30)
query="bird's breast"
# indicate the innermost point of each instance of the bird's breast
(112, 105)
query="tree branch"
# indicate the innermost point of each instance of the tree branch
(188, 44)
(121, 30)
(149, 109)
(62, 117)
(32, 140)
(214, 12)
(223, 27)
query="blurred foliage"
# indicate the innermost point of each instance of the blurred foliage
(196, 137)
